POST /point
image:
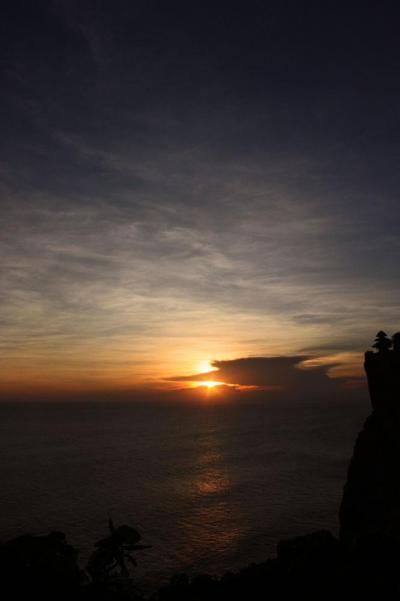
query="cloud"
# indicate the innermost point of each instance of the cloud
(288, 375)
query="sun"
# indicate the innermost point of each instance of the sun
(204, 368)
(211, 383)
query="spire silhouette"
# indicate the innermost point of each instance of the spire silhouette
(382, 342)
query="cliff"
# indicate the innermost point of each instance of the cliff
(370, 506)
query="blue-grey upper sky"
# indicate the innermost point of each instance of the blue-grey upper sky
(195, 181)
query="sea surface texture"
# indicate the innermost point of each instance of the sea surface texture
(209, 487)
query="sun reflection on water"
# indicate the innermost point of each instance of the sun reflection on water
(212, 481)
(214, 527)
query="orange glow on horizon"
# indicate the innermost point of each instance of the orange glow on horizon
(209, 384)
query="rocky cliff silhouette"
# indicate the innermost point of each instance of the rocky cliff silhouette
(370, 506)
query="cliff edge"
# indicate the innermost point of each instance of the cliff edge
(370, 507)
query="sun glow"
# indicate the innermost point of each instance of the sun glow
(209, 384)
(204, 367)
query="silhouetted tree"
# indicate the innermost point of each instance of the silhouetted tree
(112, 554)
(382, 342)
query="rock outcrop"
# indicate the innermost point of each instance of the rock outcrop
(370, 507)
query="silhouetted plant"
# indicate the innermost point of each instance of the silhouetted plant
(382, 342)
(113, 553)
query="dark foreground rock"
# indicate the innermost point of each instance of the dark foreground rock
(315, 566)
(371, 500)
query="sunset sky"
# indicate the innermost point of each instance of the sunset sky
(185, 183)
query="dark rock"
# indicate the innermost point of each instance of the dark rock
(370, 508)
(48, 564)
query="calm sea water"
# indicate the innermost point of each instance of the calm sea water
(211, 488)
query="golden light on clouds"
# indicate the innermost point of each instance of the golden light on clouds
(338, 365)
(204, 367)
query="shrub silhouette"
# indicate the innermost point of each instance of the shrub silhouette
(113, 553)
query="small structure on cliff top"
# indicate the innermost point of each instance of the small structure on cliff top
(383, 373)
(371, 498)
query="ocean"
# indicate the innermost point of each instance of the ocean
(210, 487)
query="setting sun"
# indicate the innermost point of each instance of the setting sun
(210, 383)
